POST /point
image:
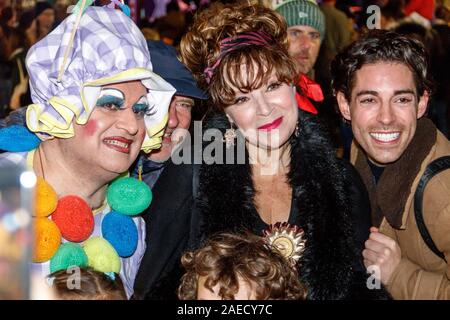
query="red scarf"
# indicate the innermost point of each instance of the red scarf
(310, 90)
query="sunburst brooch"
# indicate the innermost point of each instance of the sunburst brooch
(286, 239)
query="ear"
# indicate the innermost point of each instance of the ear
(344, 106)
(423, 104)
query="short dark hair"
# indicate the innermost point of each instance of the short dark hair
(380, 46)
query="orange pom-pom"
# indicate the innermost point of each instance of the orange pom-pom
(46, 199)
(47, 239)
(74, 218)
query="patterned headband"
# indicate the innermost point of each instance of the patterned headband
(230, 44)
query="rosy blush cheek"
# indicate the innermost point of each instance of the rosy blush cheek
(142, 135)
(90, 128)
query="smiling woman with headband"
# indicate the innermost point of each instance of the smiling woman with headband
(97, 103)
(290, 174)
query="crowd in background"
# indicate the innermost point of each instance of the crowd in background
(23, 23)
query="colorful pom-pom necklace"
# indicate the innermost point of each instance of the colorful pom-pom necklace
(70, 218)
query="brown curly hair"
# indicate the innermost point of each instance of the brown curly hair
(227, 257)
(200, 48)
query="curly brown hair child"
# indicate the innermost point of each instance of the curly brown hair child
(232, 267)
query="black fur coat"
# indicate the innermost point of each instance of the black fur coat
(332, 204)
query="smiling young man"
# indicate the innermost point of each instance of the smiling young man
(381, 87)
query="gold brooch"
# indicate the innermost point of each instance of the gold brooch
(287, 240)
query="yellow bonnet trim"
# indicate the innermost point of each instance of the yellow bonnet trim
(46, 123)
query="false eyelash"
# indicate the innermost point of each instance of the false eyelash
(151, 111)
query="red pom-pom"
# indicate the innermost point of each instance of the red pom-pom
(74, 218)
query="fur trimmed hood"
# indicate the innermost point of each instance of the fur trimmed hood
(319, 182)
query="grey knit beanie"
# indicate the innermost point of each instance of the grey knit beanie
(303, 13)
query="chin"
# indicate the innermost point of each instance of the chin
(117, 165)
(384, 159)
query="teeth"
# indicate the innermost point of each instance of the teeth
(386, 137)
(118, 143)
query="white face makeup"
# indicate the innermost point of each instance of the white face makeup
(114, 99)
(113, 136)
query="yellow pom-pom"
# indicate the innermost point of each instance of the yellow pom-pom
(101, 255)
(45, 199)
(47, 239)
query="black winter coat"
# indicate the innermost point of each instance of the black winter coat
(330, 203)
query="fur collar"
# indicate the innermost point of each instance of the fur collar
(225, 201)
(389, 196)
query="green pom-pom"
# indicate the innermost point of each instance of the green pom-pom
(68, 255)
(129, 196)
(101, 255)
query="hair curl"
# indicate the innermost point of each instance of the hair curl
(226, 258)
(380, 46)
(200, 48)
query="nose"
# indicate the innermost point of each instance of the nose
(128, 121)
(264, 106)
(386, 114)
(304, 42)
(173, 120)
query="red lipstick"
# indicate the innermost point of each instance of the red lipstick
(272, 125)
(118, 143)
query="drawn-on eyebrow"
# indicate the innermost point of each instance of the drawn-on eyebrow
(112, 91)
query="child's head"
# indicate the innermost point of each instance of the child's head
(87, 284)
(236, 267)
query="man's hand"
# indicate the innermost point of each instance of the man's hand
(382, 252)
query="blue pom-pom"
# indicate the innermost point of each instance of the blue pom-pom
(18, 138)
(121, 232)
(126, 9)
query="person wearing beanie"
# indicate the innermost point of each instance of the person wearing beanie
(306, 30)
